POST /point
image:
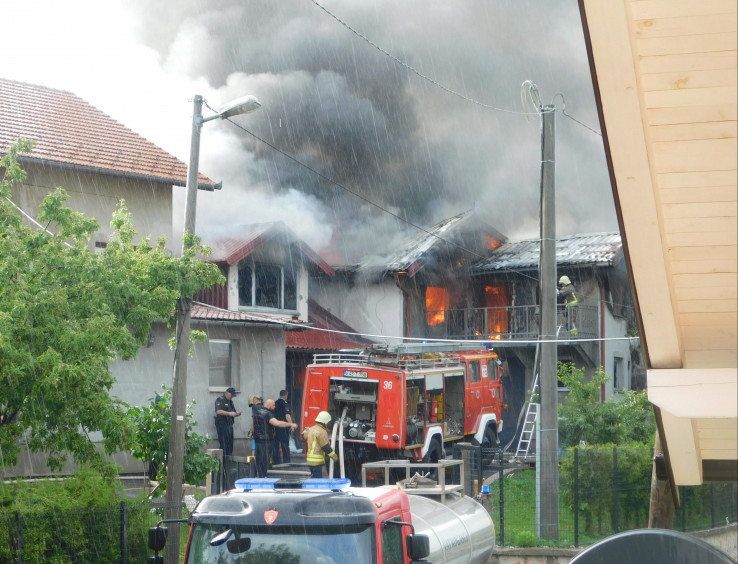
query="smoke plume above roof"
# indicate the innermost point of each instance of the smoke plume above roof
(349, 111)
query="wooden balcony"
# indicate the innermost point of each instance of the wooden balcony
(512, 323)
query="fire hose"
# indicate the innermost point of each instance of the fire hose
(338, 428)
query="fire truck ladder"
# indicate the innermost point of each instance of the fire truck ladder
(529, 425)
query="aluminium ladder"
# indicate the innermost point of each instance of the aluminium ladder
(529, 425)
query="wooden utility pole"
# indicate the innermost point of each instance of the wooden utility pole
(548, 473)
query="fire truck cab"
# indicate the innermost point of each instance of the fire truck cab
(408, 400)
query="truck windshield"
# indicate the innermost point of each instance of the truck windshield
(281, 545)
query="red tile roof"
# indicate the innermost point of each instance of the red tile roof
(314, 339)
(70, 132)
(233, 248)
(332, 338)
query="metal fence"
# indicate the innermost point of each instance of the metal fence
(602, 491)
(113, 534)
(513, 322)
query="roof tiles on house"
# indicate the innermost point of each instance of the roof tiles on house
(233, 248)
(69, 131)
(575, 250)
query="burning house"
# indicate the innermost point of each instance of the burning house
(463, 280)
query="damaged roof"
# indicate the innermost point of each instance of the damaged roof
(233, 248)
(445, 233)
(575, 250)
(70, 132)
(205, 312)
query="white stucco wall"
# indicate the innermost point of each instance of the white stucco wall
(97, 195)
(374, 309)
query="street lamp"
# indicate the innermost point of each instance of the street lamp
(175, 461)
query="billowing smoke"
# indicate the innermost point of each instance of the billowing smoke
(353, 114)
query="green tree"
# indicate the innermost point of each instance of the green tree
(153, 423)
(626, 418)
(66, 313)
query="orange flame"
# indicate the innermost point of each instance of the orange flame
(492, 243)
(436, 304)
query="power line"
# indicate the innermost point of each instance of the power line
(256, 317)
(412, 69)
(353, 192)
(435, 82)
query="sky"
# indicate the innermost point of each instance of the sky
(414, 106)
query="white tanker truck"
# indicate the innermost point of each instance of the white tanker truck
(326, 521)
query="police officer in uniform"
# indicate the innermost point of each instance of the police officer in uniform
(225, 413)
(264, 424)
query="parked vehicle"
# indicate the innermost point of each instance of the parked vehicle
(325, 521)
(406, 401)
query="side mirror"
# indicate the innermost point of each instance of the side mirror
(418, 546)
(157, 538)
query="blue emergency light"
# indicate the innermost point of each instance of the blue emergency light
(315, 484)
(326, 484)
(247, 484)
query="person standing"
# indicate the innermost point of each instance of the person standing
(566, 291)
(262, 431)
(317, 445)
(281, 449)
(225, 413)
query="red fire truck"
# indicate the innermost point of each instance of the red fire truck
(406, 401)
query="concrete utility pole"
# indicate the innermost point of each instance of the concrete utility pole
(548, 473)
(175, 460)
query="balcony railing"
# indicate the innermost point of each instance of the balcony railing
(511, 323)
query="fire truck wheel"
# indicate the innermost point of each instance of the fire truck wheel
(433, 455)
(490, 438)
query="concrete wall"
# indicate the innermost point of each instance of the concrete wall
(372, 308)
(259, 369)
(97, 195)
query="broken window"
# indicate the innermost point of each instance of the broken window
(266, 285)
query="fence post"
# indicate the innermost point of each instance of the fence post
(123, 532)
(684, 508)
(576, 496)
(502, 499)
(480, 470)
(712, 504)
(615, 503)
(19, 536)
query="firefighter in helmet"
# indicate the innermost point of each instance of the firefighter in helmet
(566, 291)
(317, 445)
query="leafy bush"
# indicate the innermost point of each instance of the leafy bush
(596, 485)
(625, 418)
(77, 519)
(152, 425)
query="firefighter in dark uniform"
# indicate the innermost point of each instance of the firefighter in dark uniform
(225, 413)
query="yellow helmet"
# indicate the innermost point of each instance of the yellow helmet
(564, 280)
(323, 418)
